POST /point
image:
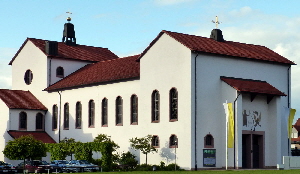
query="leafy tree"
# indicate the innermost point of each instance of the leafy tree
(103, 144)
(143, 144)
(68, 146)
(25, 147)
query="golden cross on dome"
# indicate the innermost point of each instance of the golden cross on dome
(216, 22)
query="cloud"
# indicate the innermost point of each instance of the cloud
(6, 54)
(170, 2)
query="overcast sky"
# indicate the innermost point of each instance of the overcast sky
(126, 27)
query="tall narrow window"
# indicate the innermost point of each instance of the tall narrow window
(173, 104)
(54, 117)
(173, 141)
(155, 141)
(91, 113)
(104, 112)
(119, 111)
(134, 109)
(155, 106)
(78, 115)
(22, 121)
(39, 121)
(60, 72)
(66, 116)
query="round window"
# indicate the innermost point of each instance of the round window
(28, 77)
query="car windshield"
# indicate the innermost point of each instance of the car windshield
(63, 162)
(83, 162)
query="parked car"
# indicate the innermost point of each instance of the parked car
(84, 165)
(62, 166)
(4, 165)
(35, 166)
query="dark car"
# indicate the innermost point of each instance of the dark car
(4, 165)
(84, 166)
(36, 166)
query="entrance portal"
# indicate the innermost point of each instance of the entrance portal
(253, 149)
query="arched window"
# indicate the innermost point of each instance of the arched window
(66, 116)
(208, 141)
(134, 109)
(119, 111)
(22, 121)
(54, 117)
(173, 104)
(39, 121)
(78, 115)
(28, 77)
(60, 72)
(155, 141)
(155, 106)
(91, 113)
(173, 141)
(104, 112)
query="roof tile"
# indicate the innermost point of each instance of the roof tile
(38, 135)
(252, 86)
(78, 52)
(226, 48)
(106, 71)
(18, 99)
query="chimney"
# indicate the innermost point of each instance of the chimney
(69, 33)
(216, 34)
(51, 48)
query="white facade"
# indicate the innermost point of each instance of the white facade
(167, 64)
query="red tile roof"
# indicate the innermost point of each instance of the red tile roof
(39, 135)
(78, 52)
(297, 125)
(17, 99)
(226, 48)
(101, 72)
(252, 86)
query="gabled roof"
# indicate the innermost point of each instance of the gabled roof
(78, 52)
(252, 86)
(17, 99)
(226, 48)
(38, 135)
(101, 72)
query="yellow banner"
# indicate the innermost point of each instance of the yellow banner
(230, 125)
(290, 121)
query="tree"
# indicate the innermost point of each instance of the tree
(25, 147)
(103, 144)
(143, 144)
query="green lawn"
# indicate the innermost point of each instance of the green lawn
(209, 172)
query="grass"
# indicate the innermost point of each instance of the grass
(209, 172)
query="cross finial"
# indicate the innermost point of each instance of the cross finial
(69, 18)
(216, 22)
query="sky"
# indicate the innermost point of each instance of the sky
(127, 27)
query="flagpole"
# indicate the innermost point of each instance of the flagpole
(226, 140)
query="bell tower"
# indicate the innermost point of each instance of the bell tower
(69, 33)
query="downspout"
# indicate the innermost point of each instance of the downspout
(195, 69)
(59, 123)
(234, 132)
(49, 81)
(289, 86)
(288, 73)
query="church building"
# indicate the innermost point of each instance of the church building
(174, 90)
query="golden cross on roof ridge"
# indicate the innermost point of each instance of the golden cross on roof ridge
(69, 17)
(216, 22)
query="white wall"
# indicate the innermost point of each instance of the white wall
(209, 92)
(69, 66)
(167, 64)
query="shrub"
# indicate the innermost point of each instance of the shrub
(144, 167)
